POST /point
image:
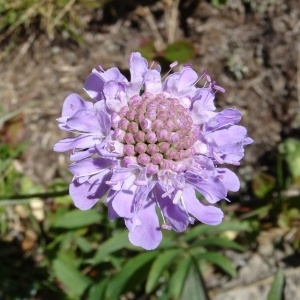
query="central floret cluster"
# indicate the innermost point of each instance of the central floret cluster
(157, 132)
(145, 145)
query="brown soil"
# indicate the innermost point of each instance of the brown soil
(250, 47)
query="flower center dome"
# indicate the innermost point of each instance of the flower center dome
(157, 132)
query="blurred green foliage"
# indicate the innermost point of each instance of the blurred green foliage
(180, 51)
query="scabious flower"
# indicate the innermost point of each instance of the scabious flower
(148, 145)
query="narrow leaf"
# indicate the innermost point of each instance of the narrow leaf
(74, 282)
(208, 229)
(117, 284)
(115, 243)
(217, 259)
(160, 264)
(194, 287)
(97, 290)
(218, 241)
(276, 290)
(179, 277)
(77, 218)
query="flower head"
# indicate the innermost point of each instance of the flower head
(148, 144)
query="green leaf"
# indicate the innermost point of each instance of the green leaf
(161, 264)
(179, 277)
(201, 230)
(181, 51)
(83, 244)
(257, 212)
(148, 50)
(262, 184)
(117, 284)
(194, 287)
(74, 282)
(97, 290)
(218, 241)
(217, 259)
(290, 149)
(276, 290)
(115, 243)
(77, 218)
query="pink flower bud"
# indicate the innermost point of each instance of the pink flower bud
(174, 137)
(140, 148)
(152, 149)
(115, 118)
(129, 150)
(123, 111)
(129, 160)
(162, 115)
(129, 139)
(171, 154)
(151, 115)
(130, 115)
(119, 134)
(146, 125)
(139, 116)
(163, 147)
(151, 137)
(134, 101)
(157, 158)
(133, 127)
(123, 124)
(152, 169)
(167, 164)
(139, 136)
(157, 125)
(163, 135)
(143, 159)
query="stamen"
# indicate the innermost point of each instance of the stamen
(140, 182)
(167, 193)
(85, 175)
(218, 158)
(101, 68)
(177, 197)
(111, 182)
(172, 65)
(164, 226)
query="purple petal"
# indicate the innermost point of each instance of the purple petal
(85, 121)
(114, 95)
(179, 79)
(76, 156)
(153, 82)
(229, 179)
(211, 187)
(114, 74)
(174, 214)
(228, 143)
(123, 203)
(225, 118)
(187, 78)
(94, 85)
(73, 103)
(111, 212)
(148, 234)
(203, 106)
(86, 195)
(206, 214)
(138, 67)
(81, 142)
(88, 166)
